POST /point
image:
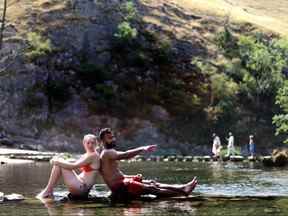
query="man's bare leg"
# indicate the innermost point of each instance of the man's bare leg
(186, 189)
(166, 190)
(190, 186)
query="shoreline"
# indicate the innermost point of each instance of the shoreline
(18, 156)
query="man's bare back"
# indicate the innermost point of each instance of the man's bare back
(109, 168)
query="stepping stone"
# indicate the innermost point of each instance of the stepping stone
(170, 158)
(207, 158)
(236, 158)
(179, 158)
(187, 158)
(250, 158)
(198, 158)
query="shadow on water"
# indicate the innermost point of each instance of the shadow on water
(224, 189)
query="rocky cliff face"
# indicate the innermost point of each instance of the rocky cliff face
(30, 118)
(52, 101)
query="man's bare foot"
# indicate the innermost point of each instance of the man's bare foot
(45, 195)
(190, 186)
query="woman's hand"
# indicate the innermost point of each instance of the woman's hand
(55, 160)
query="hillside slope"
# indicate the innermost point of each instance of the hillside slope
(149, 89)
(269, 15)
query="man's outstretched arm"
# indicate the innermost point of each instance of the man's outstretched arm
(133, 152)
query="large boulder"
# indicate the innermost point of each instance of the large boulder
(280, 157)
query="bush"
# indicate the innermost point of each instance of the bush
(125, 32)
(223, 87)
(281, 120)
(38, 46)
(227, 42)
(128, 10)
(163, 51)
(263, 64)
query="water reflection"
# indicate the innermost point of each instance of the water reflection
(54, 208)
(230, 179)
(136, 209)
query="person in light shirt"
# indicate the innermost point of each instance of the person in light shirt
(230, 146)
(216, 147)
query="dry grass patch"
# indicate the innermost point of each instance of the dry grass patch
(49, 5)
(265, 14)
(268, 15)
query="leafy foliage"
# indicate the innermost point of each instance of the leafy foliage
(281, 120)
(128, 10)
(263, 64)
(125, 32)
(38, 46)
(257, 65)
(226, 41)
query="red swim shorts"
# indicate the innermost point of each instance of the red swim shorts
(134, 185)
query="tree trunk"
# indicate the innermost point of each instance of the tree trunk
(3, 19)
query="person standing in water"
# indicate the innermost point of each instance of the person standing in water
(251, 146)
(230, 146)
(216, 147)
(78, 185)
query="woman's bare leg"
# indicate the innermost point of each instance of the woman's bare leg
(70, 178)
(53, 179)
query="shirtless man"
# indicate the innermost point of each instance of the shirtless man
(123, 186)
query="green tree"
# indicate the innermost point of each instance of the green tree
(38, 46)
(281, 120)
(125, 30)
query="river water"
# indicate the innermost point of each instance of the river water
(240, 180)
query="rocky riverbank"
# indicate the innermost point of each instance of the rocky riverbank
(23, 156)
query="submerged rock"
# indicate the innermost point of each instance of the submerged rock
(10, 197)
(236, 158)
(1, 197)
(13, 197)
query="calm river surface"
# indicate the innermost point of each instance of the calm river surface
(217, 179)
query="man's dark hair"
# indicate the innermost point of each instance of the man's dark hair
(103, 132)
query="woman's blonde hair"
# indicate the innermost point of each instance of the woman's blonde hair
(89, 137)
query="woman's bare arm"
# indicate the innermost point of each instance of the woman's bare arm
(74, 165)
